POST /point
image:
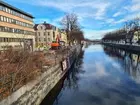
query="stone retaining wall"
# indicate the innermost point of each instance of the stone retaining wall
(35, 91)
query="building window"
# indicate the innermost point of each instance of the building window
(0, 7)
(5, 39)
(41, 27)
(14, 13)
(11, 40)
(1, 18)
(0, 39)
(39, 39)
(6, 9)
(36, 39)
(7, 19)
(44, 33)
(0, 29)
(38, 33)
(44, 39)
(35, 33)
(13, 30)
(13, 21)
(48, 33)
(49, 39)
(53, 34)
(3, 8)
(4, 19)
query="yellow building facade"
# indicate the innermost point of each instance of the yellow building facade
(16, 28)
(136, 36)
(64, 36)
(45, 34)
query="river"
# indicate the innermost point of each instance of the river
(101, 76)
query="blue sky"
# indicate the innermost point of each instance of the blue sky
(95, 16)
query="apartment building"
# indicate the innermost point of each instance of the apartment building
(45, 33)
(16, 28)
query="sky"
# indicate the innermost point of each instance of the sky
(96, 17)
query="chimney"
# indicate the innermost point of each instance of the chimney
(44, 22)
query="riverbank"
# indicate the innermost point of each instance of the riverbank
(36, 90)
(128, 47)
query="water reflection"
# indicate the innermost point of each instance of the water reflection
(69, 81)
(101, 76)
(129, 61)
(72, 77)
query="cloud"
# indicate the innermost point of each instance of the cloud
(96, 16)
(117, 14)
(99, 71)
(110, 21)
(55, 22)
(42, 20)
(96, 34)
(91, 8)
(96, 48)
(116, 65)
(128, 17)
(135, 5)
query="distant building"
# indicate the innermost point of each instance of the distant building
(136, 37)
(46, 33)
(16, 28)
(63, 36)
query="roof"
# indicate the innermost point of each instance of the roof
(47, 26)
(35, 26)
(14, 8)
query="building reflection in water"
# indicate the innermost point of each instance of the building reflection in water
(69, 81)
(130, 61)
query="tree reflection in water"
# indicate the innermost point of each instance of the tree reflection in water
(129, 60)
(69, 81)
(72, 77)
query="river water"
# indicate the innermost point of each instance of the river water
(101, 76)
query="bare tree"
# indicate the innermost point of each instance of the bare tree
(132, 24)
(70, 24)
(77, 36)
(136, 21)
(126, 33)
